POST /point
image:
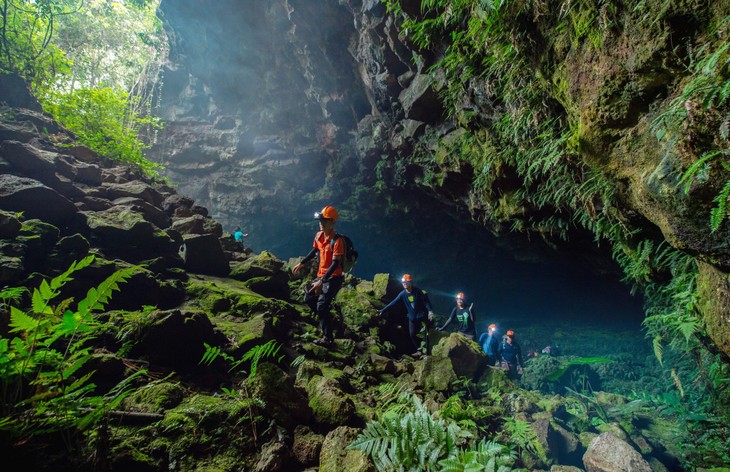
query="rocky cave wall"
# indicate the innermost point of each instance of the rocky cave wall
(272, 109)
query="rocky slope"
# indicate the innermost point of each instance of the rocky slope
(193, 286)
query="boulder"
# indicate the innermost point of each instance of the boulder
(334, 456)
(356, 308)
(197, 224)
(420, 100)
(607, 453)
(9, 225)
(175, 339)
(15, 93)
(276, 286)
(203, 255)
(306, 446)
(264, 264)
(35, 200)
(150, 213)
(330, 405)
(273, 457)
(453, 357)
(136, 189)
(285, 402)
(176, 201)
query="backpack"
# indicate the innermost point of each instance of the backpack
(348, 262)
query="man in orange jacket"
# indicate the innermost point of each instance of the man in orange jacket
(331, 250)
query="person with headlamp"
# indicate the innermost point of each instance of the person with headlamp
(329, 278)
(464, 316)
(490, 344)
(420, 314)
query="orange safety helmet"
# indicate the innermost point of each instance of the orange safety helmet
(327, 213)
(406, 278)
(460, 296)
(510, 332)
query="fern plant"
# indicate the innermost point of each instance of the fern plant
(521, 434)
(413, 441)
(487, 456)
(41, 388)
(244, 395)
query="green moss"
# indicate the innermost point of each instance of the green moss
(217, 295)
(155, 397)
(356, 307)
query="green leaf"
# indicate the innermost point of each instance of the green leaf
(20, 321)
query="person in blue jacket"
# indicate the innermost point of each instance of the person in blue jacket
(490, 344)
(511, 354)
(420, 313)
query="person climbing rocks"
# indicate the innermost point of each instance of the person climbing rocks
(238, 235)
(328, 282)
(420, 314)
(511, 355)
(490, 344)
(464, 316)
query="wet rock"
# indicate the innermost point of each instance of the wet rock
(356, 308)
(307, 445)
(175, 202)
(607, 453)
(330, 405)
(35, 200)
(334, 456)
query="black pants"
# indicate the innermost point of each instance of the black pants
(415, 327)
(320, 304)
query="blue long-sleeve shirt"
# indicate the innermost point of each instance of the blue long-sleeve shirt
(511, 352)
(490, 345)
(416, 302)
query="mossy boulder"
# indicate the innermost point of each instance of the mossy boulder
(285, 403)
(176, 339)
(247, 334)
(713, 287)
(334, 456)
(9, 225)
(328, 402)
(306, 446)
(273, 286)
(453, 357)
(218, 295)
(264, 264)
(356, 308)
(155, 397)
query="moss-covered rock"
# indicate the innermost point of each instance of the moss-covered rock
(336, 458)
(356, 308)
(264, 264)
(713, 290)
(218, 295)
(328, 402)
(306, 445)
(284, 402)
(155, 397)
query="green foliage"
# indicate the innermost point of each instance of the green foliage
(521, 434)
(93, 65)
(487, 456)
(414, 440)
(42, 389)
(102, 120)
(701, 111)
(243, 395)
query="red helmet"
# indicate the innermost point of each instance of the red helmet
(406, 278)
(510, 332)
(460, 296)
(327, 213)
